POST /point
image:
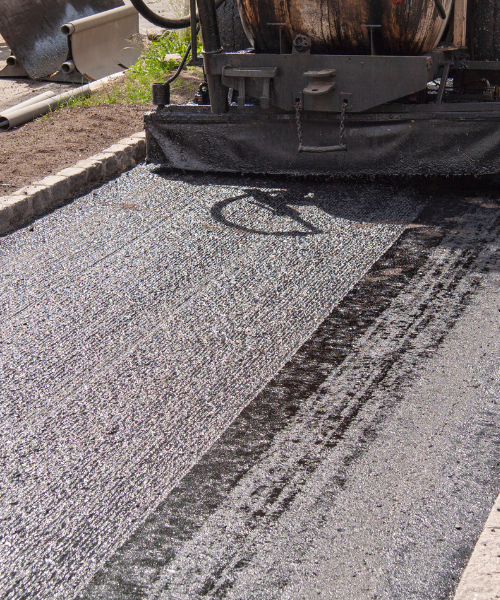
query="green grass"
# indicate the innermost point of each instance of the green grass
(112, 93)
(150, 68)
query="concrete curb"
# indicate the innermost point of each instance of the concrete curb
(34, 200)
(481, 578)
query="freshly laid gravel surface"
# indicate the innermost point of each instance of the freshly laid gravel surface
(367, 466)
(137, 322)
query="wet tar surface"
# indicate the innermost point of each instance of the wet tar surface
(226, 387)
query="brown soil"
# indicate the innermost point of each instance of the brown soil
(51, 143)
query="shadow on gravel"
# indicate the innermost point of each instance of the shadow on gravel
(258, 199)
(339, 198)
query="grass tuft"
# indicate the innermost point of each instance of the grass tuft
(152, 66)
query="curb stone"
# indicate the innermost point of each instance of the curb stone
(481, 578)
(36, 199)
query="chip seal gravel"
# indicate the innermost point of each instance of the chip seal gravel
(137, 322)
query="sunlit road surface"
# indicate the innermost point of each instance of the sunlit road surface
(138, 323)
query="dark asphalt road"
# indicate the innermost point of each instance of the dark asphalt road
(139, 321)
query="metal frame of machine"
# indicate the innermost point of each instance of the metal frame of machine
(303, 113)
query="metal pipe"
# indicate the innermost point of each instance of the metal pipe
(370, 30)
(194, 31)
(11, 61)
(442, 83)
(143, 9)
(68, 67)
(212, 45)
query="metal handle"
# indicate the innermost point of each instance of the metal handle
(336, 148)
(340, 147)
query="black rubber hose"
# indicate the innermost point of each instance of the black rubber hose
(183, 61)
(143, 9)
(438, 3)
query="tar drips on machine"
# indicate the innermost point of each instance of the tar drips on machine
(343, 88)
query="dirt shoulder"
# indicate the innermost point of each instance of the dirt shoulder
(50, 144)
(53, 142)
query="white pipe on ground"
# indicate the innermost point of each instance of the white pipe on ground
(34, 100)
(42, 104)
(99, 19)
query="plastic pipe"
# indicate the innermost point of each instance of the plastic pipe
(34, 100)
(33, 108)
(99, 19)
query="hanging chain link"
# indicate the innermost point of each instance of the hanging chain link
(298, 108)
(342, 143)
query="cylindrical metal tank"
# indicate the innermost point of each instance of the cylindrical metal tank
(484, 25)
(408, 27)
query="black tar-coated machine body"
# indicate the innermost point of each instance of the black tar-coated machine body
(341, 88)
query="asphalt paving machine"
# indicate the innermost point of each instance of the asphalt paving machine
(341, 87)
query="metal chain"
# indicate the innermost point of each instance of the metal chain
(342, 142)
(298, 107)
(343, 110)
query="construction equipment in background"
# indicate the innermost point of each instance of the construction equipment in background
(103, 44)
(366, 87)
(73, 41)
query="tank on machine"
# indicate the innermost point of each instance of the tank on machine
(403, 27)
(342, 88)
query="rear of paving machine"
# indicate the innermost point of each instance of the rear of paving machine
(342, 88)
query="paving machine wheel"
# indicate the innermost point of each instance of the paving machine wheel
(338, 87)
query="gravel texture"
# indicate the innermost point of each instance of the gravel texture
(137, 322)
(367, 467)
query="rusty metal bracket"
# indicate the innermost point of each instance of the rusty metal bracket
(236, 78)
(321, 82)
